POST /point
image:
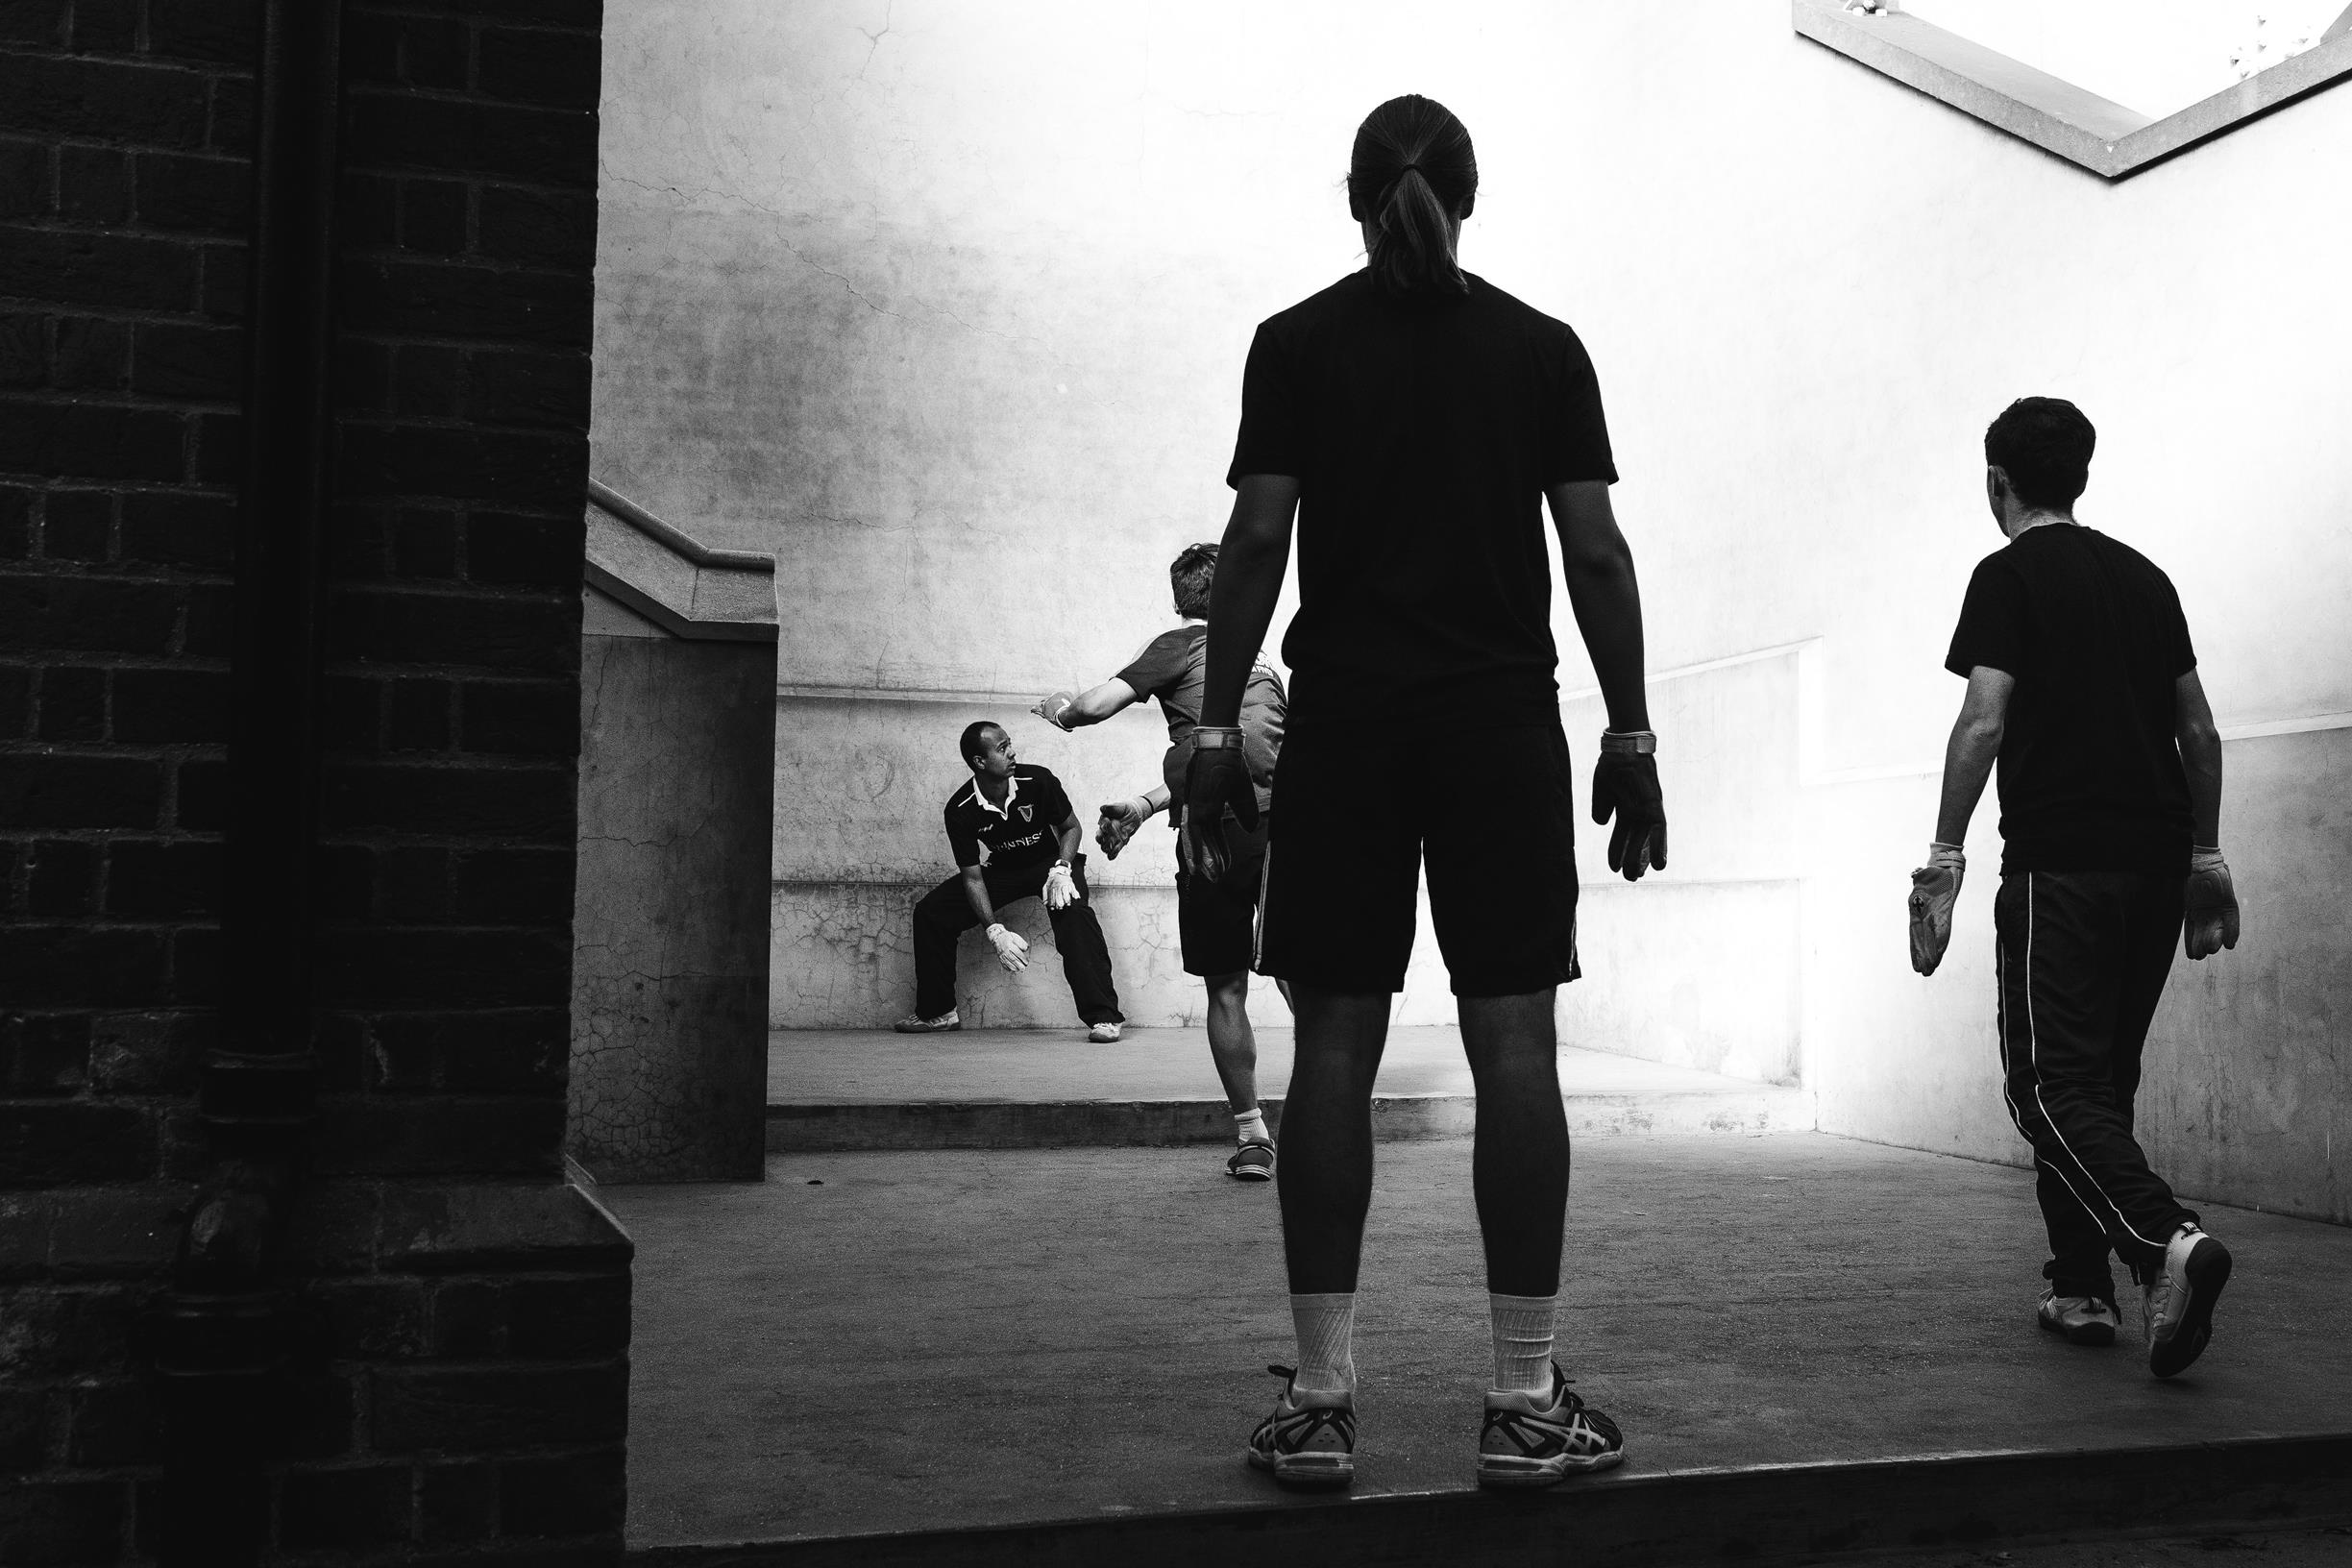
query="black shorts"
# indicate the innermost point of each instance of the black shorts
(1491, 812)
(1217, 921)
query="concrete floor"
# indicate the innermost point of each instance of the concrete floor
(2265, 1549)
(874, 1341)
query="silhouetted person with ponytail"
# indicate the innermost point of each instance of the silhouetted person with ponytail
(1414, 419)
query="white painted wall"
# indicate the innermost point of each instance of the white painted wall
(946, 302)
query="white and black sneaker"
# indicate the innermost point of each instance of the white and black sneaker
(2176, 1314)
(1535, 1439)
(2083, 1321)
(1309, 1440)
(914, 1023)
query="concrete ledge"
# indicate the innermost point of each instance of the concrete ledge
(1761, 1514)
(2057, 116)
(969, 1124)
(676, 581)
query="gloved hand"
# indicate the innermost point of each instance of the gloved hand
(1012, 948)
(1061, 888)
(1216, 775)
(1121, 819)
(1627, 784)
(1052, 708)
(2211, 906)
(1935, 888)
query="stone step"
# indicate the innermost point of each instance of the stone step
(841, 1089)
(1000, 1124)
(1761, 1514)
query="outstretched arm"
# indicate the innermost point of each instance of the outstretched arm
(1091, 706)
(1251, 560)
(1602, 589)
(1975, 743)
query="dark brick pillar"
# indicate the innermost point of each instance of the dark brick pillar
(470, 1397)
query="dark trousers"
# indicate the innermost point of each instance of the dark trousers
(945, 914)
(2082, 959)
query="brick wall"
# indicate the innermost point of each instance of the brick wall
(471, 1396)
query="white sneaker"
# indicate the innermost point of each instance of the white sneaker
(914, 1023)
(2177, 1315)
(1105, 1034)
(2083, 1321)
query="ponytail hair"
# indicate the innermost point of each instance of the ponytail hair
(1412, 176)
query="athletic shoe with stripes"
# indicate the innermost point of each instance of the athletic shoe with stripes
(1252, 1162)
(1309, 1440)
(2083, 1321)
(914, 1023)
(2176, 1314)
(1534, 1439)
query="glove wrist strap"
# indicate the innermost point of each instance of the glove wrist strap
(1216, 737)
(1630, 741)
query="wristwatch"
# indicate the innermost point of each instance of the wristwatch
(1637, 742)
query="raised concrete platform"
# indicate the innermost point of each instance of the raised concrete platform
(1050, 1088)
(1815, 1346)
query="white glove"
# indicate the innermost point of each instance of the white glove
(1052, 708)
(1935, 888)
(1012, 948)
(1061, 888)
(2211, 906)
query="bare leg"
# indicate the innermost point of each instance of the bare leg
(1520, 1171)
(1231, 1043)
(1325, 1179)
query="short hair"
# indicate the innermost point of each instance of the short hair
(1189, 575)
(2045, 446)
(972, 745)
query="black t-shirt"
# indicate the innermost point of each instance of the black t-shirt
(2091, 776)
(1423, 433)
(1020, 832)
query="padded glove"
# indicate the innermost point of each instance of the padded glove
(1012, 948)
(1216, 776)
(1626, 783)
(2210, 906)
(1052, 708)
(1061, 888)
(1935, 888)
(1119, 820)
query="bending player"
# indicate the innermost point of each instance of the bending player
(2082, 683)
(1021, 816)
(1215, 919)
(1412, 420)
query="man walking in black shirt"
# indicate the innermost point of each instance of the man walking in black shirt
(2082, 683)
(1022, 816)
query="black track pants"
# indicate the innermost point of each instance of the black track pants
(2082, 959)
(945, 914)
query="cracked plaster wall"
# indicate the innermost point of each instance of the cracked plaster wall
(946, 305)
(670, 976)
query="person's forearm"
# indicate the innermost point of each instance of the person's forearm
(975, 893)
(1096, 703)
(1606, 598)
(2201, 760)
(1155, 798)
(1071, 838)
(1968, 762)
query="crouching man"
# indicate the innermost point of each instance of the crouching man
(1022, 818)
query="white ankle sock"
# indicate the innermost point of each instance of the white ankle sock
(1521, 1342)
(1326, 1326)
(1249, 1126)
